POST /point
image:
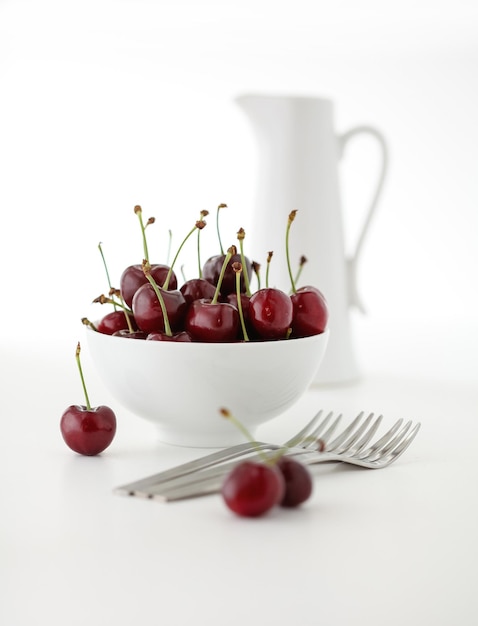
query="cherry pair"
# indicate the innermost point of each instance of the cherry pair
(253, 488)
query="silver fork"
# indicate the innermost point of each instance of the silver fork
(351, 446)
(306, 436)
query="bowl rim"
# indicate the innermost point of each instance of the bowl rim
(273, 342)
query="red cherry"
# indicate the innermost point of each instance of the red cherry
(298, 481)
(212, 322)
(252, 489)
(196, 289)
(310, 312)
(212, 270)
(270, 313)
(88, 431)
(133, 278)
(115, 321)
(85, 429)
(148, 313)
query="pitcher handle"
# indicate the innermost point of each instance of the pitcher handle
(354, 297)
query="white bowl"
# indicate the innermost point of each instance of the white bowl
(180, 387)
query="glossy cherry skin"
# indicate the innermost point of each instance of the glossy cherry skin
(133, 277)
(148, 313)
(298, 482)
(182, 337)
(88, 432)
(212, 270)
(252, 489)
(213, 323)
(311, 314)
(197, 289)
(115, 321)
(270, 313)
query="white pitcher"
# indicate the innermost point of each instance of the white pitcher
(299, 153)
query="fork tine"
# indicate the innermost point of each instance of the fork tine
(400, 449)
(304, 433)
(311, 440)
(368, 435)
(398, 445)
(330, 431)
(385, 449)
(355, 436)
(337, 442)
(382, 441)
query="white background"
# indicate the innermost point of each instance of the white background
(109, 104)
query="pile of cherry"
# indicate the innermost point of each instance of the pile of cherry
(216, 306)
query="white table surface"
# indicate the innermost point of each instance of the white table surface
(396, 546)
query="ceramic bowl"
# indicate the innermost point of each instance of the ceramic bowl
(180, 387)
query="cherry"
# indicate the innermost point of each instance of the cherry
(197, 289)
(252, 489)
(85, 429)
(212, 269)
(213, 266)
(133, 278)
(211, 320)
(115, 321)
(157, 309)
(181, 337)
(270, 313)
(310, 314)
(161, 309)
(298, 481)
(310, 311)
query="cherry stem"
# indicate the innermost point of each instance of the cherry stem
(198, 225)
(302, 261)
(221, 206)
(139, 213)
(157, 291)
(291, 218)
(269, 257)
(227, 258)
(86, 322)
(78, 350)
(170, 239)
(105, 300)
(237, 267)
(240, 426)
(203, 214)
(127, 315)
(257, 270)
(199, 254)
(106, 268)
(240, 235)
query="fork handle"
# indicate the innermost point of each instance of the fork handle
(209, 482)
(185, 469)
